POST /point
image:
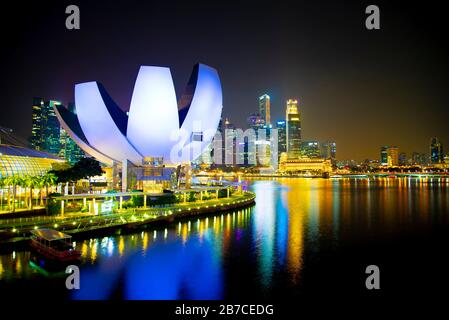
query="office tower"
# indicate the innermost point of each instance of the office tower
(392, 156)
(45, 126)
(229, 145)
(69, 150)
(51, 129)
(293, 128)
(419, 158)
(264, 108)
(402, 159)
(47, 134)
(328, 150)
(282, 136)
(255, 121)
(36, 126)
(384, 156)
(436, 151)
(310, 149)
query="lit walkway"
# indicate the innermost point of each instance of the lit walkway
(81, 221)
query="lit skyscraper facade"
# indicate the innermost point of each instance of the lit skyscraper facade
(69, 150)
(51, 128)
(310, 149)
(264, 108)
(293, 128)
(47, 134)
(436, 151)
(37, 125)
(282, 136)
(329, 150)
(45, 126)
(389, 156)
(384, 156)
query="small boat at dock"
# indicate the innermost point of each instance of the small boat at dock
(54, 245)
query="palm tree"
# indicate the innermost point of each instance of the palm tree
(40, 184)
(30, 182)
(2, 185)
(14, 181)
(49, 179)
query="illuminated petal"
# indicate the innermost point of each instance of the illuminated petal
(103, 123)
(200, 109)
(153, 114)
(69, 121)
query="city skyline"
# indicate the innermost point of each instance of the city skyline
(358, 88)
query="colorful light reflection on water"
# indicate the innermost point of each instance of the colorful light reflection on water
(263, 249)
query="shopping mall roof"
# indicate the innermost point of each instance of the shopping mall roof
(24, 152)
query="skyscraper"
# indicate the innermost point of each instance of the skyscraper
(389, 156)
(264, 108)
(310, 149)
(329, 150)
(282, 137)
(45, 126)
(293, 128)
(51, 129)
(393, 156)
(69, 150)
(402, 158)
(384, 156)
(36, 126)
(47, 134)
(436, 151)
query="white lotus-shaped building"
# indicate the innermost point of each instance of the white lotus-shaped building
(157, 125)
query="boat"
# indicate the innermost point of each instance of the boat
(54, 245)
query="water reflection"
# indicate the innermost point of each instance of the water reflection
(295, 221)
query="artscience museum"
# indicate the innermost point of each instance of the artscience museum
(147, 145)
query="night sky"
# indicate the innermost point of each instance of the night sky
(360, 88)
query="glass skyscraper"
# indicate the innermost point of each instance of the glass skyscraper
(264, 108)
(47, 134)
(436, 151)
(282, 136)
(293, 128)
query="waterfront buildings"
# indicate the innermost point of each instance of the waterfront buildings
(293, 128)
(419, 159)
(328, 150)
(300, 165)
(402, 159)
(436, 151)
(389, 156)
(310, 149)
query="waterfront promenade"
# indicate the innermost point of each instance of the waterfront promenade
(17, 229)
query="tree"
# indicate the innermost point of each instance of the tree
(83, 169)
(29, 182)
(2, 185)
(14, 181)
(40, 183)
(48, 179)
